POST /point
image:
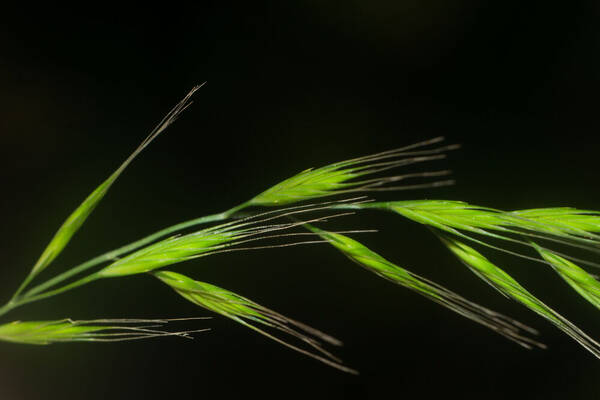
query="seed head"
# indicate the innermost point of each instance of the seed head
(249, 313)
(344, 177)
(66, 330)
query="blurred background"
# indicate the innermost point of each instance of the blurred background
(292, 85)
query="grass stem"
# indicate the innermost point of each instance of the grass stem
(19, 301)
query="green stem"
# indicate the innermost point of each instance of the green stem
(17, 302)
(8, 306)
(113, 254)
(23, 285)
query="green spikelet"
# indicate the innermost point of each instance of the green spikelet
(509, 287)
(373, 262)
(340, 177)
(170, 251)
(66, 330)
(79, 216)
(585, 284)
(249, 313)
(567, 226)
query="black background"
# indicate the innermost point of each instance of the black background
(293, 85)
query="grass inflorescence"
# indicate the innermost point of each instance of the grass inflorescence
(531, 234)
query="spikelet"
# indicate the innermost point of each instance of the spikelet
(81, 213)
(373, 262)
(209, 241)
(509, 287)
(574, 226)
(341, 177)
(171, 251)
(102, 330)
(567, 226)
(249, 313)
(583, 283)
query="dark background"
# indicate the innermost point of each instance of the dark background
(293, 85)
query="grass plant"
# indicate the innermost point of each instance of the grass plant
(280, 217)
